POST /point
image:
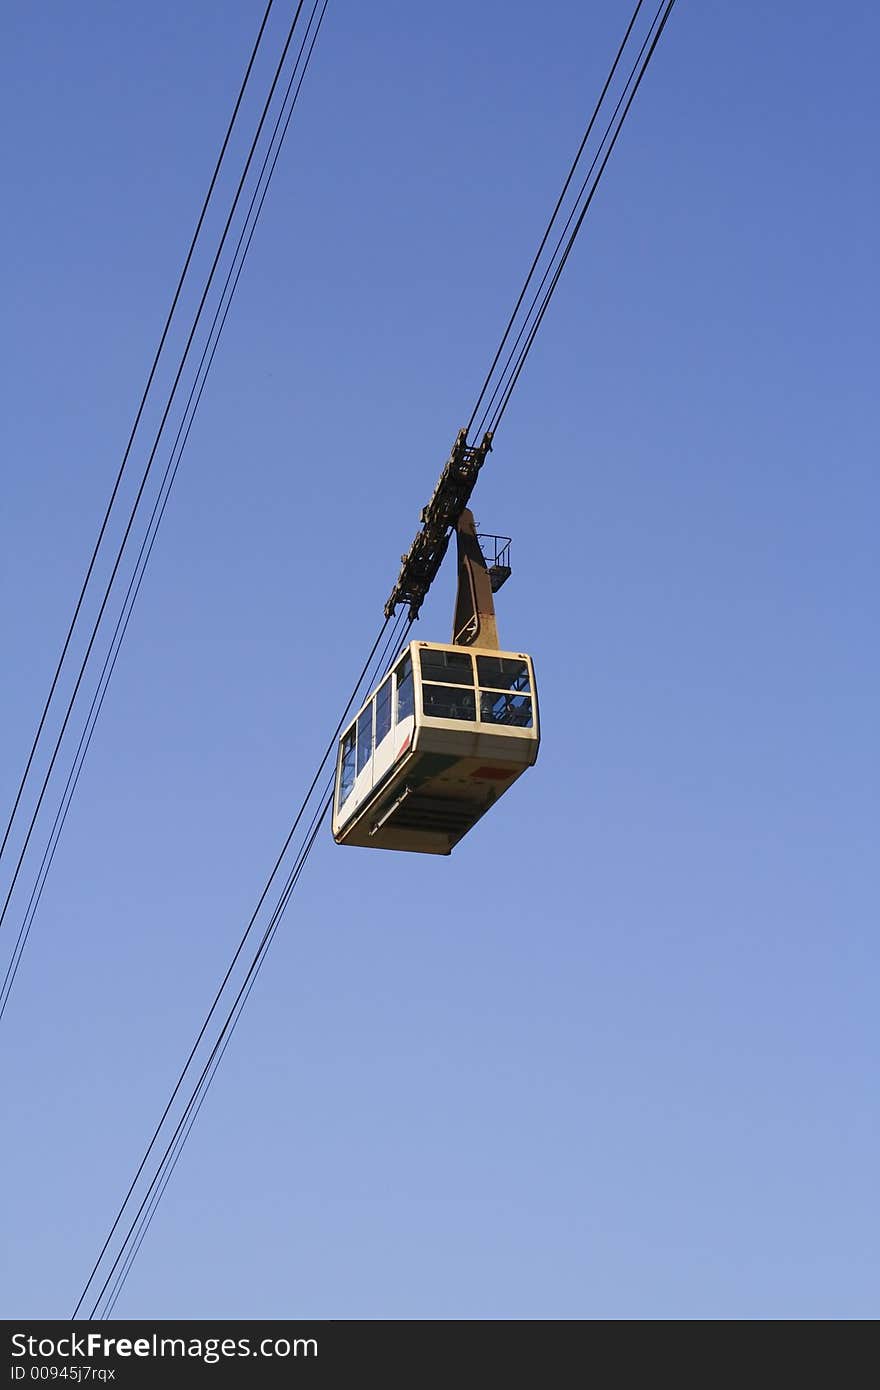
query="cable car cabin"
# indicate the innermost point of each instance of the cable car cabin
(448, 731)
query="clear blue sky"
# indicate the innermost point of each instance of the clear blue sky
(618, 1055)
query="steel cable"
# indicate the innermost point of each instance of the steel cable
(146, 474)
(503, 387)
(553, 216)
(331, 746)
(144, 1216)
(134, 428)
(160, 504)
(579, 223)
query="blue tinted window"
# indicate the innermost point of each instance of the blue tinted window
(364, 737)
(383, 711)
(346, 771)
(448, 702)
(405, 703)
(515, 710)
(447, 667)
(503, 673)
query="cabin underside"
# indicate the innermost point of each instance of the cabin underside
(429, 803)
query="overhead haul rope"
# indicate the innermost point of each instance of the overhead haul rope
(137, 419)
(141, 1224)
(161, 501)
(143, 1218)
(553, 216)
(150, 462)
(524, 351)
(491, 414)
(149, 465)
(293, 876)
(459, 477)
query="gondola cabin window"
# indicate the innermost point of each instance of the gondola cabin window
(364, 737)
(383, 711)
(405, 701)
(449, 699)
(347, 772)
(503, 702)
(449, 668)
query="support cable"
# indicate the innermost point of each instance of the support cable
(579, 223)
(149, 464)
(143, 1217)
(491, 414)
(451, 495)
(527, 320)
(553, 216)
(137, 419)
(331, 746)
(159, 506)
